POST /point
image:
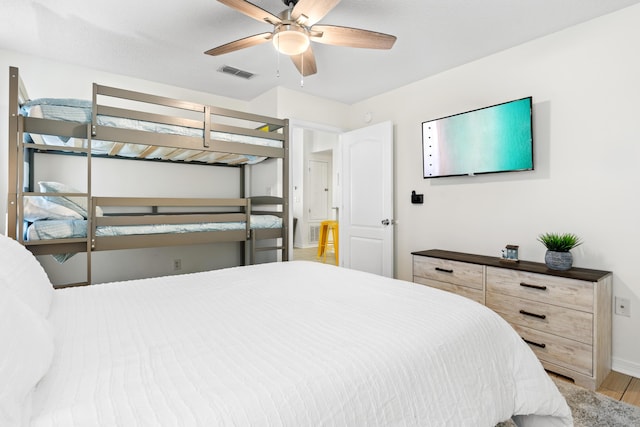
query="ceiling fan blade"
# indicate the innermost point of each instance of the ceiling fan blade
(351, 37)
(305, 62)
(240, 44)
(311, 11)
(252, 11)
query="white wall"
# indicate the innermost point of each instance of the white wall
(585, 83)
(317, 112)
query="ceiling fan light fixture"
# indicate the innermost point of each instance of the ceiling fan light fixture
(291, 39)
(295, 27)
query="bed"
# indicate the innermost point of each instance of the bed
(119, 123)
(81, 111)
(134, 222)
(289, 344)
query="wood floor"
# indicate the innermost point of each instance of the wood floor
(621, 387)
(617, 386)
(311, 254)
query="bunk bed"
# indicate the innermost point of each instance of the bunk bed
(119, 123)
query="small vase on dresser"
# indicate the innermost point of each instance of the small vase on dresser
(558, 260)
(558, 246)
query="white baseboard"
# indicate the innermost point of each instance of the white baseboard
(626, 367)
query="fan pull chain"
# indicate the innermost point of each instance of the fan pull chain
(278, 60)
(302, 70)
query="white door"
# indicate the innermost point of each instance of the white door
(318, 190)
(366, 219)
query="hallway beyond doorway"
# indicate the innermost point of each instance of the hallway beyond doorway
(311, 254)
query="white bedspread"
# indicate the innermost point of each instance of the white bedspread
(286, 344)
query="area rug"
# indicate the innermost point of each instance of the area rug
(591, 409)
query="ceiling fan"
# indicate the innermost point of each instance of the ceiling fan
(294, 29)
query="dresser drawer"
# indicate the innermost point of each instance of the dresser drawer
(557, 350)
(571, 293)
(471, 293)
(573, 324)
(447, 271)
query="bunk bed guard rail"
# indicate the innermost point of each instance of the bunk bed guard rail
(207, 119)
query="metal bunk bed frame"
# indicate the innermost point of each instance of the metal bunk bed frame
(241, 208)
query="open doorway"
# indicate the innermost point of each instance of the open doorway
(315, 190)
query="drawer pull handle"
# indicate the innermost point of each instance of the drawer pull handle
(527, 285)
(527, 313)
(537, 344)
(444, 270)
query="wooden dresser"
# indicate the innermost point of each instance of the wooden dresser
(564, 316)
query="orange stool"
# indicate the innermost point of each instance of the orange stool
(323, 241)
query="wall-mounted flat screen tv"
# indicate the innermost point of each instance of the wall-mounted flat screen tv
(493, 139)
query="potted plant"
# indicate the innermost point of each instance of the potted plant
(558, 246)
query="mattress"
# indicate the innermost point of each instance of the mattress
(286, 344)
(77, 228)
(79, 111)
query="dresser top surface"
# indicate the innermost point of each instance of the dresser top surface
(527, 266)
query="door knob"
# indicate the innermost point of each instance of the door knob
(386, 222)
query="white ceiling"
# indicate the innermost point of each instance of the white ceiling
(164, 41)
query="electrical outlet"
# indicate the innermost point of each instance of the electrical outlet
(623, 307)
(177, 264)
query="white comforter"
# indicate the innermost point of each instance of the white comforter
(286, 344)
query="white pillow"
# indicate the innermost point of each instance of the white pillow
(77, 204)
(24, 276)
(38, 208)
(27, 352)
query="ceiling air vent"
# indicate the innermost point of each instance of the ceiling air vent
(236, 72)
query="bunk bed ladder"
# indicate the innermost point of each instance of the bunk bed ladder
(12, 191)
(20, 186)
(91, 210)
(255, 249)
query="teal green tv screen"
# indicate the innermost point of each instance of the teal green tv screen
(488, 140)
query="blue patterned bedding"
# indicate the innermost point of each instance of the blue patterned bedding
(77, 228)
(79, 111)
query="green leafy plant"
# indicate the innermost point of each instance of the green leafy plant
(559, 242)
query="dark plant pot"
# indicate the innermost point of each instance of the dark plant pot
(558, 260)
